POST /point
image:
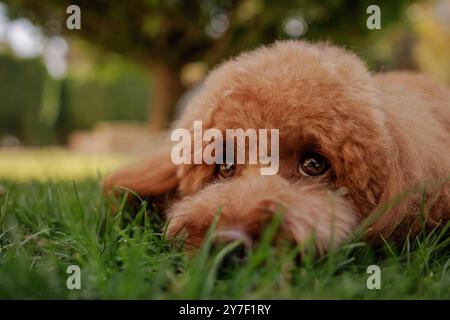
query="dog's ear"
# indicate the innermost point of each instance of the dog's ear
(401, 204)
(392, 208)
(151, 177)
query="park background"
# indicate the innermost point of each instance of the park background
(76, 103)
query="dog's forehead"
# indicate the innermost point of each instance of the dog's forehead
(303, 91)
(291, 111)
(276, 96)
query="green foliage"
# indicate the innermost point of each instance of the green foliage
(45, 227)
(166, 35)
(119, 95)
(22, 84)
(40, 110)
(173, 32)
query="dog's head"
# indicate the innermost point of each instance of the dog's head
(333, 148)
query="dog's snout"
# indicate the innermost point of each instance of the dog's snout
(236, 256)
(268, 206)
(239, 251)
(223, 237)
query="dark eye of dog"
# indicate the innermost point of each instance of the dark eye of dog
(226, 170)
(313, 164)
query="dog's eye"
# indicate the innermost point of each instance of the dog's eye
(226, 170)
(313, 164)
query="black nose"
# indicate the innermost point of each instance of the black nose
(235, 257)
(239, 249)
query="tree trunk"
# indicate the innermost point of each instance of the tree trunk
(167, 89)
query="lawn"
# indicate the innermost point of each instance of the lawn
(46, 226)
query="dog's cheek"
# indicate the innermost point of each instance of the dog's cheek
(189, 220)
(365, 169)
(190, 233)
(193, 178)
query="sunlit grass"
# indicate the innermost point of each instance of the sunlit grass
(48, 222)
(55, 164)
(47, 226)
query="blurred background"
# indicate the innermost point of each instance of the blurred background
(75, 103)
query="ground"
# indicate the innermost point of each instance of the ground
(48, 225)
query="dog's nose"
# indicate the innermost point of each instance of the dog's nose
(239, 252)
(226, 236)
(235, 257)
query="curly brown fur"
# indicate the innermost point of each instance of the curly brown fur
(382, 134)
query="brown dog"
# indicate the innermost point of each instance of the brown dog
(350, 142)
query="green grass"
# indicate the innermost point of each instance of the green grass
(54, 162)
(45, 227)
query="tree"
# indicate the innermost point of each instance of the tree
(17, 94)
(165, 35)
